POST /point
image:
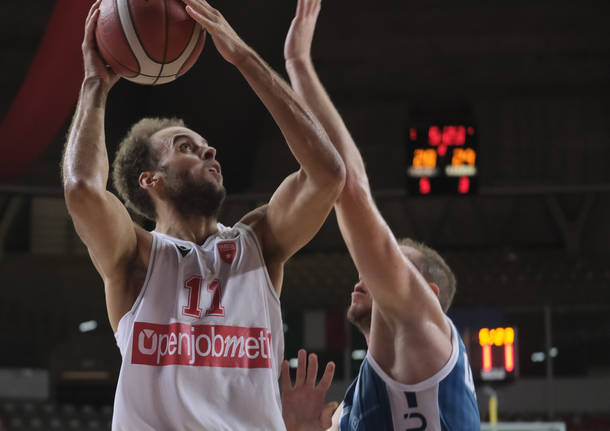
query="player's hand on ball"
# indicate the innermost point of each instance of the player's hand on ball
(94, 65)
(303, 406)
(227, 42)
(300, 35)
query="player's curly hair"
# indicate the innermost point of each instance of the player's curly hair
(135, 156)
(434, 269)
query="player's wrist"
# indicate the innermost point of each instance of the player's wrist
(243, 55)
(95, 82)
(296, 66)
(298, 61)
(96, 88)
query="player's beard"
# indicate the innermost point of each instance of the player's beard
(195, 197)
(361, 317)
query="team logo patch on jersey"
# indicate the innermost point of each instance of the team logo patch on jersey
(227, 250)
(201, 345)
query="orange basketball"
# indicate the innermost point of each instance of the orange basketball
(148, 41)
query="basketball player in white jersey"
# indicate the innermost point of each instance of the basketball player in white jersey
(194, 304)
(416, 374)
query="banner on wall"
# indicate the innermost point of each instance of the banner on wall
(49, 91)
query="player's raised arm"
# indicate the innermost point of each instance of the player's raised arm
(100, 219)
(303, 201)
(371, 243)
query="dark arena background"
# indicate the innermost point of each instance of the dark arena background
(485, 127)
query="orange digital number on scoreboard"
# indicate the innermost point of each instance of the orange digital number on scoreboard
(464, 156)
(424, 158)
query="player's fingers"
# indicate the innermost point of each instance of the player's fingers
(90, 28)
(326, 417)
(89, 19)
(300, 378)
(285, 376)
(301, 4)
(327, 378)
(201, 19)
(92, 9)
(207, 6)
(311, 6)
(312, 369)
(203, 8)
(93, 22)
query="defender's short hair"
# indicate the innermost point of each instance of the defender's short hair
(434, 269)
(135, 156)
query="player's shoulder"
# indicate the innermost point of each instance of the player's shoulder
(256, 220)
(255, 217)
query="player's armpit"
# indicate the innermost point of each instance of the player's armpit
(294, 214)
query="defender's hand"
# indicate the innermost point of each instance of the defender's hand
(300, 35)
(303, 406)
(226, 40)
(94, 64)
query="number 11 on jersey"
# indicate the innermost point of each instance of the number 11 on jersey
(193, 308)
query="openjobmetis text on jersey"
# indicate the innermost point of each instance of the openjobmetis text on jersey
(200, 345)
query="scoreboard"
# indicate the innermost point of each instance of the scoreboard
(442, 159)
(493, 355)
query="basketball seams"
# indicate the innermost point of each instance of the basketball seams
(165, 40)
(133, 38)
(186, 47)
(108, 52)
(189, 48)
(109, 33)
(116, 3)
(194, 53)
(135, 31)
(149, 71)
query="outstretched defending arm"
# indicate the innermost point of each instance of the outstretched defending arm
(100, 219)
(371, 243)
(303, 201)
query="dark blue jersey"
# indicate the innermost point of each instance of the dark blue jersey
(443, 402)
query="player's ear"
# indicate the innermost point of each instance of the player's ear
(435, 289)
(148, 180)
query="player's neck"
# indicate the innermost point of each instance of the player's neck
(194, 228)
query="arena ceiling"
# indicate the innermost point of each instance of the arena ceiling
(418, 51)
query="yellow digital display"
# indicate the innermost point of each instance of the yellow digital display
(497, 336)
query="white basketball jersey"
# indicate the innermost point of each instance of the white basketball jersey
(203, 342)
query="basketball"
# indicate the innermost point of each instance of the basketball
(149, 42)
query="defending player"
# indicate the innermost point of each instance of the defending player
(194, 304)
(416, 374)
